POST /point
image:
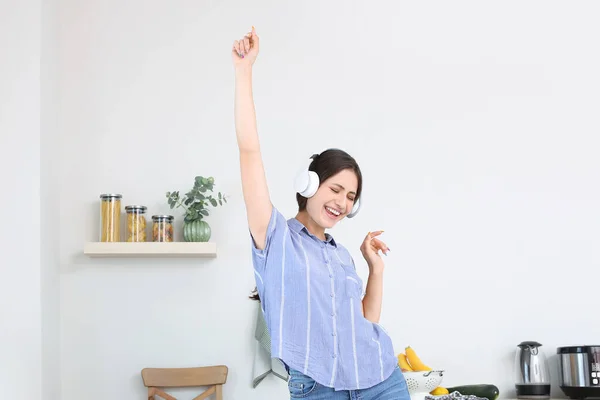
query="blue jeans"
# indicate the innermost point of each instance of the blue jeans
(304, 387)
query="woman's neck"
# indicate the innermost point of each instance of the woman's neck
(311, 225)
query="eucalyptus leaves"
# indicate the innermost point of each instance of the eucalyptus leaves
(196, 201)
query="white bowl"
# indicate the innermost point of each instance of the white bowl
(420, 384)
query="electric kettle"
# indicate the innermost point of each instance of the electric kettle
(532, 376)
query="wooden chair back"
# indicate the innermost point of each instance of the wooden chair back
(156, 379)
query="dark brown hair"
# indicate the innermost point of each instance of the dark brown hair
(329, 163)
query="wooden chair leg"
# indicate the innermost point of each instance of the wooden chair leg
(219, 392)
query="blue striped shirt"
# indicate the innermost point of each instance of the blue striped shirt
(311, 297)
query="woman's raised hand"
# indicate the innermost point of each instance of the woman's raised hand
(245, 50)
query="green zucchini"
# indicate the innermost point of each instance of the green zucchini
(487, 391)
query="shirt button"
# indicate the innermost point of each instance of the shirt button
(332, 295)
(331, 275)
(334, 355)
(333, 334)
(333, 314)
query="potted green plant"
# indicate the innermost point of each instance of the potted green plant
(196, 203)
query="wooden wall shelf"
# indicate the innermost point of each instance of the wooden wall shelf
(151, 249)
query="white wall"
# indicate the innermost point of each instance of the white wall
(475, 125)
(20, 302)
(49, 205)
(29, 306)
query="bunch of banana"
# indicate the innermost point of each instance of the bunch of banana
(403, 363)
(414, 362)
(409, 361)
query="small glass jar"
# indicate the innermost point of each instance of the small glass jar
(136, 223)
(110, 217)
(162, 228)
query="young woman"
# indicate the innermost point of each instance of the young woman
(322, 328)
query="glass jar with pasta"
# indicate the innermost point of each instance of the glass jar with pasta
(162, 228)
(110, 217)
(136, 223)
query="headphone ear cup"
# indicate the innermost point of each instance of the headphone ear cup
(355, 209)
(307, 183)
(301, 181)
(313, 184)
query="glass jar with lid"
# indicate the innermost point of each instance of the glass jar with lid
(110, 217)
(136, 223)
(162, 228)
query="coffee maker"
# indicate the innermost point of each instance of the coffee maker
(532, 376)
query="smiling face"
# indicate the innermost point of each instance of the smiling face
(334, 199)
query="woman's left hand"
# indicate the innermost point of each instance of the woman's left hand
(370, 249)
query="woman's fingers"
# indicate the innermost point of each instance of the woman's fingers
(374, 243)
(247, 44)
(242, 46)
(379, 245)
(254, 36)
(237, 47)
(371, 235)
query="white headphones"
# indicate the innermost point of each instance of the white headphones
(307, 183)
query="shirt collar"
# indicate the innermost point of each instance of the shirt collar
(298, 227)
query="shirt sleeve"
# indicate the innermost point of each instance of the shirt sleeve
(276, 231)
